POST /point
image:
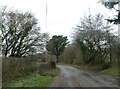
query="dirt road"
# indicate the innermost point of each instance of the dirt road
(73, 77)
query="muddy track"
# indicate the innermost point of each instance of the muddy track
(73, 77)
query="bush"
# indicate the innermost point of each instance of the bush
(14, 68)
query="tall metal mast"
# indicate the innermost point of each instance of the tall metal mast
(46, 14)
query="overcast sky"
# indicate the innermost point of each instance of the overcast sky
(62, 15)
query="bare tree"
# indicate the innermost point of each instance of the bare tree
(20, 33)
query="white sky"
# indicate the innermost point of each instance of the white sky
(62, 15)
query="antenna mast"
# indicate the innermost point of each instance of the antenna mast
(46, 13)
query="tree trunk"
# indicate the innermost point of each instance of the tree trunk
(5, 53)
(110, 55)
(57, 58)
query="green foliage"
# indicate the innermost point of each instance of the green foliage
(56, 45)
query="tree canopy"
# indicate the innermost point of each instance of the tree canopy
(94, 38)
(56, 45)
(20, 34)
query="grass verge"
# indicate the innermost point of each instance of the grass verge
(43, 80)
(110, 71)
(33, 81)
